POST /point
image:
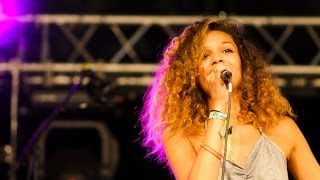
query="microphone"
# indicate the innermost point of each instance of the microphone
(226, 76)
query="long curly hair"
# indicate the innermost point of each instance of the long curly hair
(174, 101)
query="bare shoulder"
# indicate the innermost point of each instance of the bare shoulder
(175, 138)
(285, 134)
(180, 154)
(301, 161)
(286, 127)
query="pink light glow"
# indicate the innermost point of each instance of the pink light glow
(8, 10)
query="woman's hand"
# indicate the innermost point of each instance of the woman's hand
(217, 87)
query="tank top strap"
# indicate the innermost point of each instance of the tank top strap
(260, 129)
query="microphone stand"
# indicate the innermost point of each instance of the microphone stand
(229, 86)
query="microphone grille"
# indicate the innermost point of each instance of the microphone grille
(226, 75)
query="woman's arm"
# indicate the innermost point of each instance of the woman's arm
(186, 163)
(302, 163)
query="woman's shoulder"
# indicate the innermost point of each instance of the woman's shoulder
(286, 126)
(284, 134)
(181, 139)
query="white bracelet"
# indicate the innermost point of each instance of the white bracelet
(214, 114)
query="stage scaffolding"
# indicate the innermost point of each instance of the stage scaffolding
(296, 68)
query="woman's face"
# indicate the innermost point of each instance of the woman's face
(220, 53)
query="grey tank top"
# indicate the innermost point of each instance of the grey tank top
(266, 161)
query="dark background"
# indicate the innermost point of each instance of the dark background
(122, 117)
(181, 7)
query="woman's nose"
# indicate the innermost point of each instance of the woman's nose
(215, 61)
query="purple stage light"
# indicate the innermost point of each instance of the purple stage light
(8, 25)
(8, 8)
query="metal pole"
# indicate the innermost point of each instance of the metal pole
(14, 114)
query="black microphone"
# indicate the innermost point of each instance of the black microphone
(226, 76)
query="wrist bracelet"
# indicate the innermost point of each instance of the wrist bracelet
(211, 151)
(214, 114)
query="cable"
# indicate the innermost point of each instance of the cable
(45, 124)
(227, 131)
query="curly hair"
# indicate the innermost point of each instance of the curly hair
(174, 101)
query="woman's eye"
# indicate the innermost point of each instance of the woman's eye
(205, 56)
(228, 51)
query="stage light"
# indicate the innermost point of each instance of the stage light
(8, 8)
(5, 154)
(8, 26)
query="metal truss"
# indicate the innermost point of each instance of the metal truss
(50, 50)
(138, 40)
